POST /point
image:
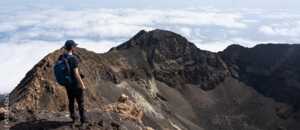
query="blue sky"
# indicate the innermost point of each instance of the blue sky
(30, 29)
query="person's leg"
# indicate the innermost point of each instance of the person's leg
(80, 102)
(71, 99)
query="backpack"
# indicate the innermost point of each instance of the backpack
(62, 71)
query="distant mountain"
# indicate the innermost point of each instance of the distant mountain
(179, 86)
(2, 99)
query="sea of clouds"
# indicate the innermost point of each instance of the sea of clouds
(28, 34)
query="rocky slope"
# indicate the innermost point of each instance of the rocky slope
(272, 69)
(178, 86)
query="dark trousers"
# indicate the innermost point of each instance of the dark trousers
(78, 95)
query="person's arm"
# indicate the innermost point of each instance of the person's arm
(79, 79)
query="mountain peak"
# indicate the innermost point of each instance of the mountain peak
(234, 47)
(157, 37)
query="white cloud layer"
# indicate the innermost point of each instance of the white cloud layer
(287, 29)
(27, 35)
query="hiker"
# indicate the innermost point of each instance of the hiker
(72, 80)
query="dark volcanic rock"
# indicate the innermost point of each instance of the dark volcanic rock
(175, 61)
(177, 85)
(272, 69)
(98, 120)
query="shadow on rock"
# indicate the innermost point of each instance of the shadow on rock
(41, 125)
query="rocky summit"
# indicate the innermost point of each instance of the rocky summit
(174, 84)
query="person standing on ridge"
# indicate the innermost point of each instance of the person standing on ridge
(75, 86)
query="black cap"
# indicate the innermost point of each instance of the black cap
(70, 44)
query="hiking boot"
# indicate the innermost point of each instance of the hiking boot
(74, 118)
(84, 125)
(84, 122)
(75, 123)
